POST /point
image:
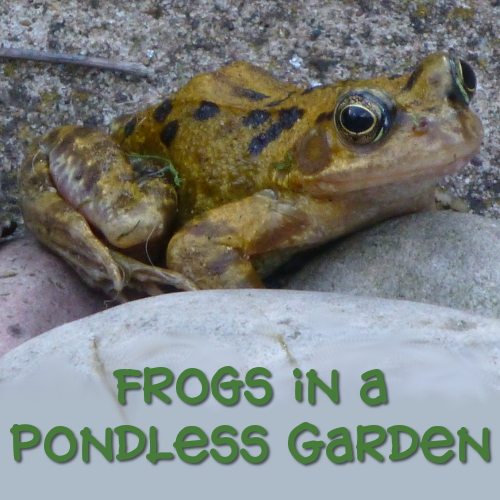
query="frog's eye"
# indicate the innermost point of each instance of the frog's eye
(364, 116)
(464, 80)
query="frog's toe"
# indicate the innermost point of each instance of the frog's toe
(150, 279)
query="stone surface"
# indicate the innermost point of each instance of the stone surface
(440, 368)
(38, 292)
(442, 258)
(272, 328)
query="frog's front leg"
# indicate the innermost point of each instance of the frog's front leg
(220, 248)
(80, 196)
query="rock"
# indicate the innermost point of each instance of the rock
(38, 292)
(440, 368)
(442, 258)
(270, 327)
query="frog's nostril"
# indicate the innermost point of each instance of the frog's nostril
(421, 126)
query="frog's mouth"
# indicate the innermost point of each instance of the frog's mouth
(433, 172)
(428, 174)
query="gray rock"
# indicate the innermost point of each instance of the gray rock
(38, 292)
(442, 258)
(271, 327)
(440, 368)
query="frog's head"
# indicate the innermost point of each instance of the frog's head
(387, 131)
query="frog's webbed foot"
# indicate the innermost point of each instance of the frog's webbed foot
(59, 226)
(116, 274)
(62, 229)
(149, 279)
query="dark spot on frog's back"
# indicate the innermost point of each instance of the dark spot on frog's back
(279, 101)
(206, 110)
(169, 132)
(252, 95)
(258, 143)
(129, 128)
(261, 141)
(310, 89)
(256, 117)
(287, 118)
(162, 111)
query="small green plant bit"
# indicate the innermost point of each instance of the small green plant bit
(286, 164)
(169, 167)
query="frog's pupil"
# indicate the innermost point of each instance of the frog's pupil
(357, 119)
(468, 76)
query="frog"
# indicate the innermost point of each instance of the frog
(221, 182)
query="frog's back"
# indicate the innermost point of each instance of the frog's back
(240, 85)
(331, 159)
(224, 132)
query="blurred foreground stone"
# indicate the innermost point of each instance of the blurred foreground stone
(452, 350)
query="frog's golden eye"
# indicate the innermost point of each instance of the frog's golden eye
(464, 80)
(364, 116)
